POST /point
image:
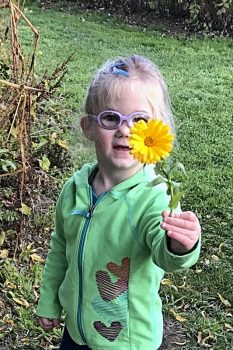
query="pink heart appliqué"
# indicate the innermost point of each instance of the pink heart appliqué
(110, 333)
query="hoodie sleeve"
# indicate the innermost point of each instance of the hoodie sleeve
(156, 239)
(55, 267)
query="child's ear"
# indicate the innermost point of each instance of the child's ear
(86, 124)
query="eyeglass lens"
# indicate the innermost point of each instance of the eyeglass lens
(110, 120)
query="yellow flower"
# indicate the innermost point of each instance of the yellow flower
(150, 141)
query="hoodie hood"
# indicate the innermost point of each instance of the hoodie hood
(146, 174)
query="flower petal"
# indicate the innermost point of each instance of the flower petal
(160, 141)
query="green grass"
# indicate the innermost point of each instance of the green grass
(199, 75)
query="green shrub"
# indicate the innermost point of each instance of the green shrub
(210, 15)
(200, 15)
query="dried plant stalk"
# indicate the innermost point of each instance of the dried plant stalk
(15, 101)
(17, 86)
(18, 92)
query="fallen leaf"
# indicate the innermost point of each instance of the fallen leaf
(203, 313)
(214, 257)
(221, 245)
(4, 254)
(199, 337)
(2, 237)
(21, 301)
(25, 340)
(63, 144)
(224, 301)
(178, 317)
(36, 294)
(36, 257)
(53, 137)
(198, 270)
(25, 209)
(166, 282)
(9, 321)
(228, 326)
(9, 284)
(174, 287)
(180, 343)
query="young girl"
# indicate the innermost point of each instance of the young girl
(113, 237)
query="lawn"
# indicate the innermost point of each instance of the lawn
(199, 75)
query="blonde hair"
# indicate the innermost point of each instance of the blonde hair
(143, 77)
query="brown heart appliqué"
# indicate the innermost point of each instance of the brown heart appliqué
(108, 289)
(121, 271)
(110, 333)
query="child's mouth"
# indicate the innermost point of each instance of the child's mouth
(122, 148)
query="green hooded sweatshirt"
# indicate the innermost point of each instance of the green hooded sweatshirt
(106, 262)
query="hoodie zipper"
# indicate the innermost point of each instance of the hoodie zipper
(80, 262)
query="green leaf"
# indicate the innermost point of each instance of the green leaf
(169, 186)
(44, 163)
(175, 200)
(42, 142)
(5, 164)
(180, 166)
(25, 209)
(176, 186)
(158, 180)
(161, 168)
(158, 167)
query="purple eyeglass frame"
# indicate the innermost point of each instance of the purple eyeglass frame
(122, 118)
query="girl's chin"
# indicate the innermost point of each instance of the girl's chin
(120, 153)
(126, 163)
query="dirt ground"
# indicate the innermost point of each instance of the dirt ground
(174, 336)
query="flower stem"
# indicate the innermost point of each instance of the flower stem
(171, 190)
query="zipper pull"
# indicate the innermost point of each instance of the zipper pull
(90, 211)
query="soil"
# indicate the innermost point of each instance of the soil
(174, 336)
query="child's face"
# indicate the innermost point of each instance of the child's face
(112, 148)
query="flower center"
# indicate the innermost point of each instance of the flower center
(148, 141)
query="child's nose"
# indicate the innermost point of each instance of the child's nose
(124, 129)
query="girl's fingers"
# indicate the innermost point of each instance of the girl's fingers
(179, 229)
(45, 323)
(185, 224)
(165, 213)
(182, 228)
(182, 239)
(186, 215)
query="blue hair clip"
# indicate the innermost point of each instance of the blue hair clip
(118, 71)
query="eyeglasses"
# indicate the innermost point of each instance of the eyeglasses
(111, 120)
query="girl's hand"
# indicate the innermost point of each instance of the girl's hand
(183, 229)
(47, 323)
